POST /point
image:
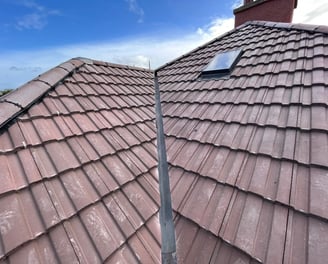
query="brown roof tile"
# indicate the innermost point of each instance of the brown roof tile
(248, 153)
(247, 156)
(72, 164)
(8, 110)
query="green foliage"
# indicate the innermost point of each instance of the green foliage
(3, 92)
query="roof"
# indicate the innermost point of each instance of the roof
(77, 165)
(247, 156)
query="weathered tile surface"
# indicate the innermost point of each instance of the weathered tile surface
(248, 153)
(248, 157)
(78, 168)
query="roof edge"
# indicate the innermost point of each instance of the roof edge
(200, 47)
(17, 101)
(104, 63)
(290, 26)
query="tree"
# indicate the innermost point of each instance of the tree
(3, 92)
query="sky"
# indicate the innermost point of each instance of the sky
(36, 35)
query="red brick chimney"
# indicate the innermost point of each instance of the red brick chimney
(267, 10)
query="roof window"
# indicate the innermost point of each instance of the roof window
(222, 64)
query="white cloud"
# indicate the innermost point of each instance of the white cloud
(23, 68)
(17, 67)
(216, 28)
(311, 12)
(31, 4)
(32, 21)
(237, 3)
(37, 18)
(136, 9)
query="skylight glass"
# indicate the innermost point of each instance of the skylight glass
(222, 64)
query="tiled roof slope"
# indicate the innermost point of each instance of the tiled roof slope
(77, 166)
(248, 154)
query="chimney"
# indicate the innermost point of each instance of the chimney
(265, 10)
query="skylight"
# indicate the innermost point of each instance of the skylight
(222, 64)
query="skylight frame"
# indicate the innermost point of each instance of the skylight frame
(222, 64)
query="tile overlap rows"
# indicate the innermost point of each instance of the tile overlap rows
(79, 176)
(248, 154)
(78, 168)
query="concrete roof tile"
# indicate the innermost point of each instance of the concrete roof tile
(13, 221)
(257, 131)
(62, 245)
(63, 147)
(8, 110)
(247, 156)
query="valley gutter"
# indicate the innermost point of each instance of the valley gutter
(165, 213)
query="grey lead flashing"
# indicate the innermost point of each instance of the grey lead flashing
(165, 213)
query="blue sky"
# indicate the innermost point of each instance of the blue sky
(37, 35)
(29, 24)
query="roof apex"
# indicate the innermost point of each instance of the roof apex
(290, 26)
(20, 99)
(104, 63)
(15, 102)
